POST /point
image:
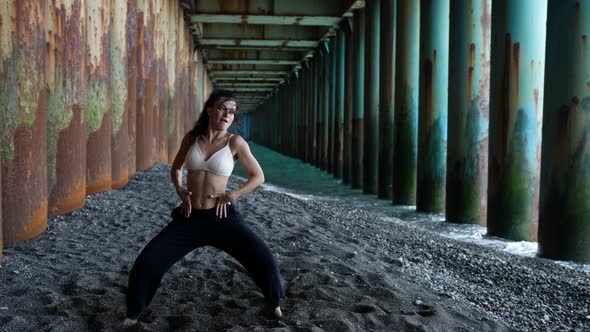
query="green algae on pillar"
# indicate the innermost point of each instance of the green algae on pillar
(469, 72)
(564, 215)
(386, 98)
(23, 120)
(66, 117)
(516, 82)
(432, 118)
(406, 102)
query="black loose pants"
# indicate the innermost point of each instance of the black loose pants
(202, 228)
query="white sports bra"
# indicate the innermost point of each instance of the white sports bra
(221, 162)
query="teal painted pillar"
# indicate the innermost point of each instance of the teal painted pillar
(469, 74)
(340, 104)
(306, 109)
(371, 109)
(316, 109)
(517, 72)
(348, 102)
(325, 93)
(405, 149)
(358, 78)
(386, 98)
(433, 106)
(564, 215)
(332, 112)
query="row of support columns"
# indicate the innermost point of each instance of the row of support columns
(440, 104)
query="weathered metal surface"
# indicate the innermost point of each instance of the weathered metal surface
(133, 65)
(432, 119)
(118, 95)
(162, 80)
(1, 241)
(65, 23)
(517, 73)
(469, 72)
(339, 104)
(145, 87)
(564, 216)
(98, 114)
(371, 104)
(23, 119)
(253, 62)
(386, 98)
(358, 77)
(406, 102)
(349, 104)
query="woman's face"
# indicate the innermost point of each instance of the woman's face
(222, 114)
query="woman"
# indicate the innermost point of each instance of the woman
(206, 216)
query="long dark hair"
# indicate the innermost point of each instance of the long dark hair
(202, 124)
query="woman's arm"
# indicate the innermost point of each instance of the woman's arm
(176, 175)
(250, 164)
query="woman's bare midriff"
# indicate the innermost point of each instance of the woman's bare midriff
(202, 184)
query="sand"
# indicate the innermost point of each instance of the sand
(344, 268)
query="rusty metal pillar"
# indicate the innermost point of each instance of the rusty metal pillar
(66, 130)
(517, 72)
(432, 118)
(313, 110)
(23, 120)
(348, 102)
(371, 109)
(304, 140)
(469, 74)
(118, 93)
(358, 77)
(162, 83)
(339, 105)
(133, 64)
(406, 102)
(1, 242)
(146, 79)
(98, 143)
(564, 216)
(386, 98)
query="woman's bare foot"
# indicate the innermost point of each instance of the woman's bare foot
(129, 322)
(277, 312)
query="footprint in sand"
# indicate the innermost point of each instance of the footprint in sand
(425, 310)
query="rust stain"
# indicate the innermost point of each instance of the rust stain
(471, 64)
(75, 200)
(36, 227)
(504, 112)
(102, 182)
(536, 98)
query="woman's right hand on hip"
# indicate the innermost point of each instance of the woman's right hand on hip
(185, 196)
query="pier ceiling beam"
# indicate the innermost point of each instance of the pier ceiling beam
(249, 41)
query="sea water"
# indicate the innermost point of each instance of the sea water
(306, 182)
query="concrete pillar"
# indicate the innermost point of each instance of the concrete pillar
(358, 98)
(564, 215)
(386, 98)
(517, 74)
(405, 131)
(371, 100)
(348, 102)
(340, 103)
(432, 119)
(469, 74)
